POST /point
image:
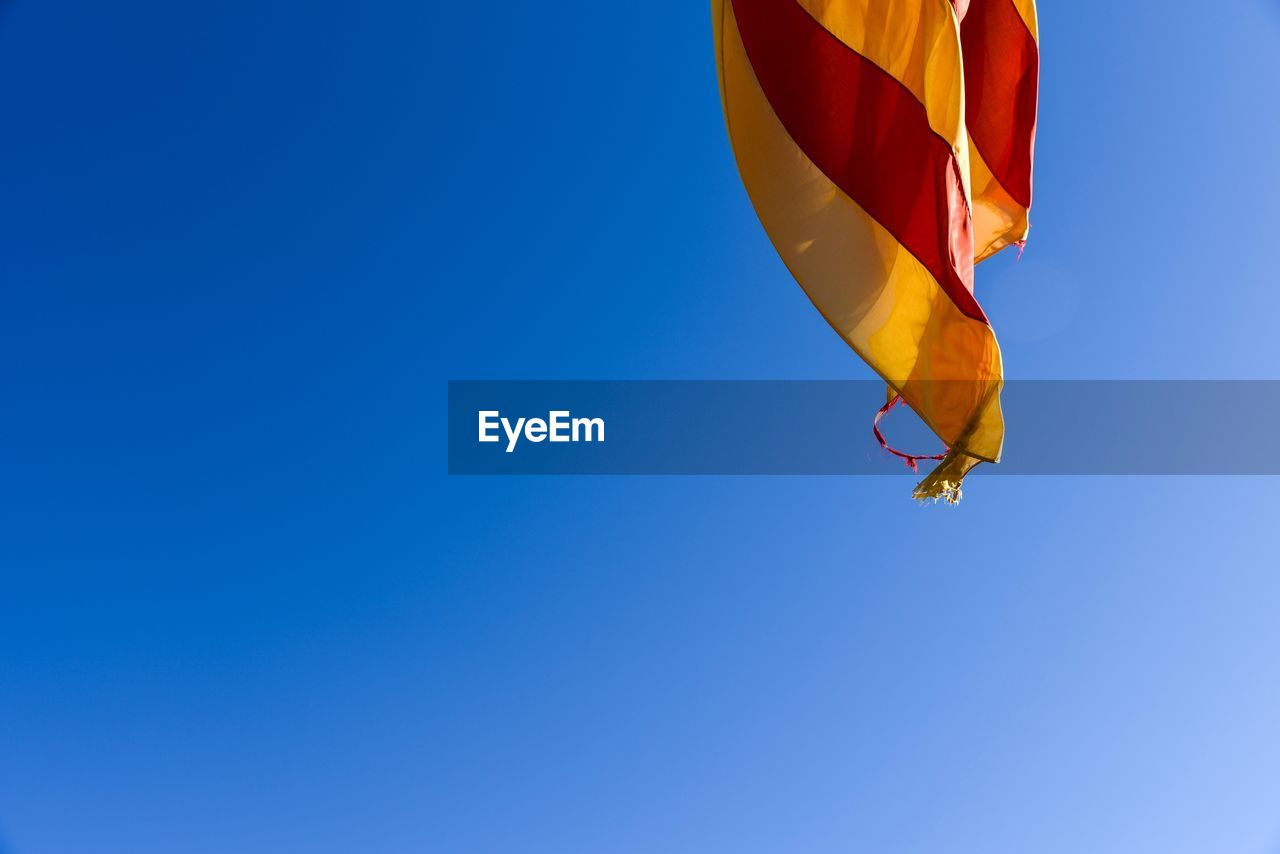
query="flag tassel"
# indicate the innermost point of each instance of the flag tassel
(911, 460)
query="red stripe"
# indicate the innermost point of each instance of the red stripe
(1001, 77)
(869, 134)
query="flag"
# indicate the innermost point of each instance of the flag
(886, 146)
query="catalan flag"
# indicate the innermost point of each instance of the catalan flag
(887, 147)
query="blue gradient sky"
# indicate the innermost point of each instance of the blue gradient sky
(244, 609)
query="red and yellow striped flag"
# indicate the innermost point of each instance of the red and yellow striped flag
(887, 146)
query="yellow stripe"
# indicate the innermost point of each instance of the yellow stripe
(998, 221)
(875, 293)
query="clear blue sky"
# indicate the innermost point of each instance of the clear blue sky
(243, 609)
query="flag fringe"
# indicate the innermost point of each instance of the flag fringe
(935, 490)
(943, 483)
